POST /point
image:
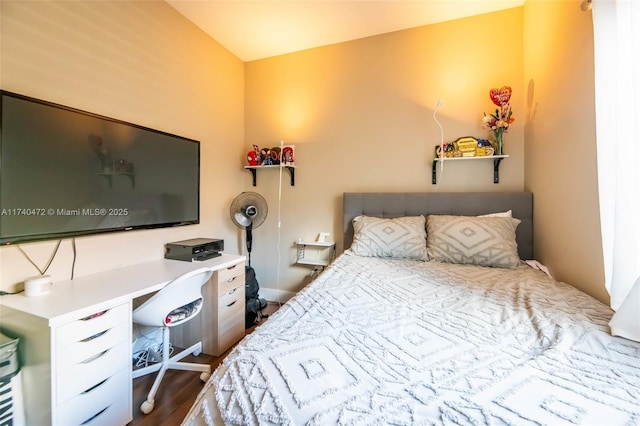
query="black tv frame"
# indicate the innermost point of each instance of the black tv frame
(85, 232)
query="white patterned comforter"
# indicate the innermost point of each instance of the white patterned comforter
(397, 342)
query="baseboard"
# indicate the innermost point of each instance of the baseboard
(274, 295)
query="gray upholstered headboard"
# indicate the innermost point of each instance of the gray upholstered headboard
(395, 204)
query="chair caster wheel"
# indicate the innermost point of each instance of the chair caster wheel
(146, 407)
(205, 376)
(196, 352)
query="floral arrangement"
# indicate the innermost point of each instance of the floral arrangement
(499, 122)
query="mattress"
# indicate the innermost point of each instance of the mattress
(401, 342)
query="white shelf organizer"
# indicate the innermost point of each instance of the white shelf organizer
(496, 165)
(324, 252)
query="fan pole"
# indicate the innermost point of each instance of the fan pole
(249, 240)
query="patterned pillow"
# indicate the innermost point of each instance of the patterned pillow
(484, 241)
(399, 238)
(499, 214)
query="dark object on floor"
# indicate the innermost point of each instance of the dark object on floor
(253, 303)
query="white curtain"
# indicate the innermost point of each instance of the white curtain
(617, 89)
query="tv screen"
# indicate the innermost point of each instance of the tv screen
(66, 172)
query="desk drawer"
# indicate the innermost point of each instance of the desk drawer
(89, 326)
(85, 349)
(231, 331)
(81, 377)
(229, 273)
(105, 404)
(231, 283)
(233, 316)
(229, 299)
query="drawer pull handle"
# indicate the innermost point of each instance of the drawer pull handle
(231, 279)
(232, 291)
(94, 357)
(231, 304)
(95, 336)
(90, 419)
(231, 267)
(97, 385)
(96, 315)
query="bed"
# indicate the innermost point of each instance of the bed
(384, 336)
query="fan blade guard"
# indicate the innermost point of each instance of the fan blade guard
(248, 208)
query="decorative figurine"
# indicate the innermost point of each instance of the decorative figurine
(253, 158)
(288, 155)
(275, 155)
(265, 155)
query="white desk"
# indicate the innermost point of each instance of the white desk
(50, 327)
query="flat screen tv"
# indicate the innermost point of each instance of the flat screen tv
(66, 173)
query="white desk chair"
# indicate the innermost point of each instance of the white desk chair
(164, 310)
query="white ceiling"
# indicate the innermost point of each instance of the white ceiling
(256, 29)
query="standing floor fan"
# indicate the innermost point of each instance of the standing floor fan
(248, 211)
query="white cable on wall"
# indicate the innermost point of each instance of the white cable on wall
(279, 222)
(438, 106)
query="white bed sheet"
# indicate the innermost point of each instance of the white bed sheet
(375, 341)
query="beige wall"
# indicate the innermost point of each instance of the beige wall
(140, 62)
(560, 145)
(360, 115)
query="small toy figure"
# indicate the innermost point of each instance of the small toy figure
(257, 151)
(287, 155)
(275, 155)
(252, 158)
(265, 154)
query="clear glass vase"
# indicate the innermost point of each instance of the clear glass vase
(498, 137)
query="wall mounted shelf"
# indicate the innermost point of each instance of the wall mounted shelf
(320, 257)
(254, 169)
(497, 159)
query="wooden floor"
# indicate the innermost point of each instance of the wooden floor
(178, 389)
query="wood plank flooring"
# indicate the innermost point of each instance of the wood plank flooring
(178, 389)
